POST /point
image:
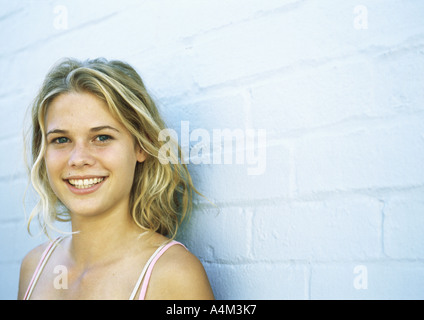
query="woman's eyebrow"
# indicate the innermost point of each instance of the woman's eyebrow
(60, 131)
(96, 129)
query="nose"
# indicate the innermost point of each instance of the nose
(80, 156)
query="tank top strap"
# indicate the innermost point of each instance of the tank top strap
(146, 273)
(44, 258)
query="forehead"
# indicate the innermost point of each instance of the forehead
(78, 110)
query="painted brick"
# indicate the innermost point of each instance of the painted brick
(12, 161)
(52, 18)
(209, 114)
(212, 244)
(314, 97)
(284, 40)
(376, 157)
(17, 241)
(385, 281)
(397, 79)
(325, 230)
(232, 182)
(9, 279)
(403, 226)
(254, 281)
(14, 108)
(12, 198)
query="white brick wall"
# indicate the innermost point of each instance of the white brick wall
(343, 110)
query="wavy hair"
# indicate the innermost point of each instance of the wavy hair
(162, 192)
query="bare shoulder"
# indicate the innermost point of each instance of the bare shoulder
(28, 266)
(179, 274)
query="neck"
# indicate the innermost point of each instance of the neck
(101, 238)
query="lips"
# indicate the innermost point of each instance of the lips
(84, 185)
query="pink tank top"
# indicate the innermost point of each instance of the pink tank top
(143, 279)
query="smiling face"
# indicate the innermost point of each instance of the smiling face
(90, 156)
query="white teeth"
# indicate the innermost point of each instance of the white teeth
(85, 183)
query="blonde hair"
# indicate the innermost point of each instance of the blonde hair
(161, 195)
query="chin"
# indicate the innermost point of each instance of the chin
(85, 211)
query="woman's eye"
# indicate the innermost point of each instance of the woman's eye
(103, 138)
(61, 140)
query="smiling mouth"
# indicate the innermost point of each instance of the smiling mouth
(85, 183)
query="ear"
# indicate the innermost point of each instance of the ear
(141, 155)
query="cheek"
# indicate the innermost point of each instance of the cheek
(120, 161)
(53, 164)
(127, 166)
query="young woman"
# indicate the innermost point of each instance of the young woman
(96, 161)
